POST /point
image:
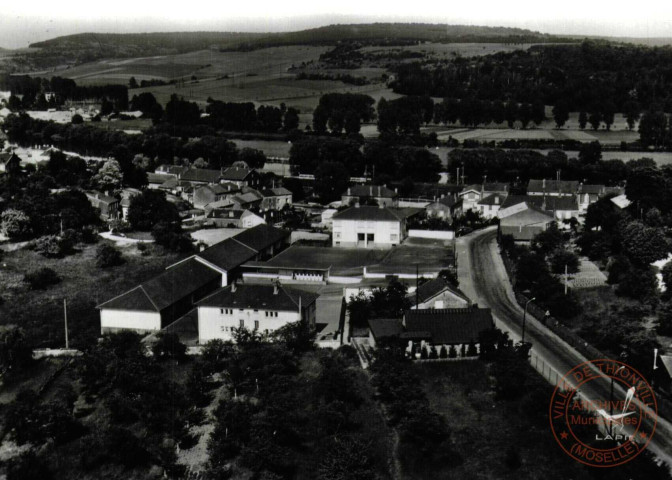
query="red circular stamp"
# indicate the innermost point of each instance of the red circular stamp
(603, 413)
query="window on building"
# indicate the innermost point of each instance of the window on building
(276, 314)
(256, 324)
(370, 237)
(360, 237)
(242, 323)
(221, 311)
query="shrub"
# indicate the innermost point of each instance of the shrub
(41, 279)
(169, 346)
(433, 353)
(664, 325)
(472, 351)
(561, 258)
(53, 246)
(423, 353)
(463, 350)
(443, 353)
(108, 256)
(15, 224)
(452, 353)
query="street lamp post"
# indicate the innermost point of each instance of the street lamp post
(522, 340)
(611, 399)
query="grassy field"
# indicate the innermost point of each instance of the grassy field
(83, 284)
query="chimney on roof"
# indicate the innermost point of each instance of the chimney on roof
(396, 190)
(276, 290)
(496, 199)
(356, 204)
(349, 191)
(233, 287)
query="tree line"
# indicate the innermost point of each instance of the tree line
(32, 90)
(585, 76)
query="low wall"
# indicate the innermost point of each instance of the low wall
(434, 234)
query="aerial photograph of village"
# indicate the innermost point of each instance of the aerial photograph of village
(300, 241)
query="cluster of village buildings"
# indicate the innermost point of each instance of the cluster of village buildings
(257, 280)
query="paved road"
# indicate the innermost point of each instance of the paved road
(484, 279)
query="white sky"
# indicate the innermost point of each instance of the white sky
(23, 22)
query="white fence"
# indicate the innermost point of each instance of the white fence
(434, 234)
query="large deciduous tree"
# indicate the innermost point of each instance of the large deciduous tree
(150, 208)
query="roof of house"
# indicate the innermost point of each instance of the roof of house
(275, 192)
(225, 213)
(234, 251)
(171, 169)
(6, 157)
(621, 201)
(262, 236)
(380, 191)
(385, 327)
(228, 254)
(523, 233)
(493, 199)
(666, 360)
(162, 291)
(447, 201)
(260, 297)
(434, 287)
(450, 325)
(249, 197)
(592, 189)
(236, 173)
(370, 214)
(551, 203)
(532, 215)
(553, 186)
(221, 188)
(170, 184)
(201, 175)
(101, 197)
(155, 178)
(487, 187)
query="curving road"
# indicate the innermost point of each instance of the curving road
(484, 279)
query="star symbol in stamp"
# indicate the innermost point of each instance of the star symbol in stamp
(564, 435)
(642, 434)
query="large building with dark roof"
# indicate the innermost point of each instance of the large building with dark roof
(264, 308)
(158, 302)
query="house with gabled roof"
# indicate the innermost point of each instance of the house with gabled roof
(438, 293)
(459, 328)
(201, 176)
(553, 188)
(561, 207)
(523, 221)
(241, 176)
(9, 163)
(472, 194)
(232, 218)
(207, 194)
(449, 327)
(264, 308)
(381, 194)
(275, 198)
(370, 227)
(106, 204)
(446, 207)
(158, 302)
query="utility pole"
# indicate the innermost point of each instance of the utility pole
(565, 279)
(65, 319)
(417, 282)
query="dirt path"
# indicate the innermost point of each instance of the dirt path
(196, 458)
